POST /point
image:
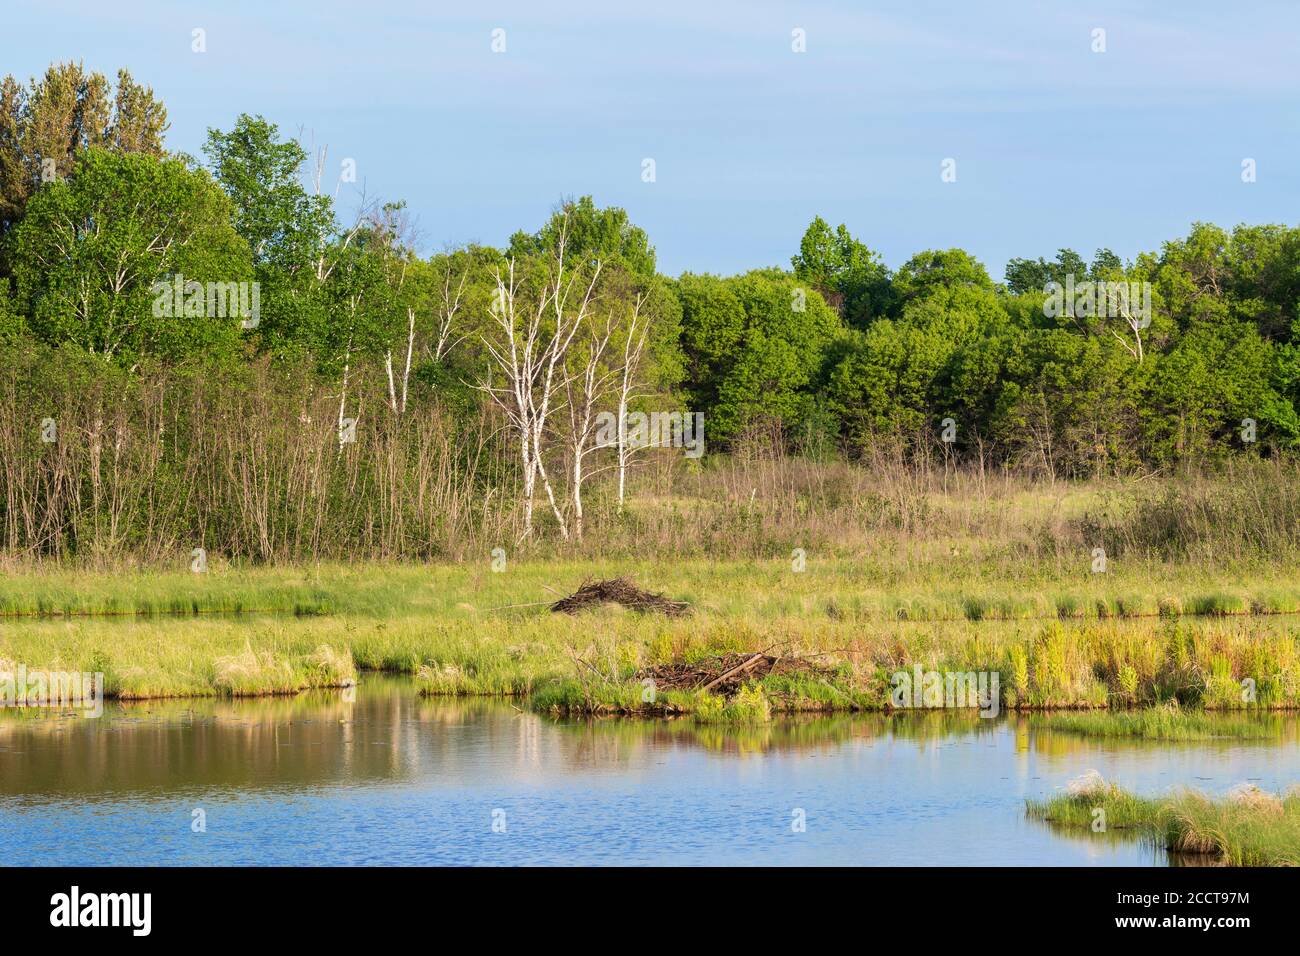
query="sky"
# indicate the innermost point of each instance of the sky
(1054, 144)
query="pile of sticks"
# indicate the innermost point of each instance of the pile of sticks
(725, 675)
(619, 591)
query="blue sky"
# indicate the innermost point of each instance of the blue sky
(1054, 144)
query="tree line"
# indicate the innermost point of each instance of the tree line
(834, 356)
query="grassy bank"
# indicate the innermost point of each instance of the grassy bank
(857, 571)
(1247, 828)
(465, 629)
(1161, 722)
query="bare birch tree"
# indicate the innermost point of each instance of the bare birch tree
(445, 335)
(633, 350)
(1135, 320)
(450, 302)
(527, 345)
(585, 387)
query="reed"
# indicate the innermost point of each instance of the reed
(1163, 722)
(1247, 827)
(246, 463)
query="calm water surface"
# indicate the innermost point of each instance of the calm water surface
(390, 779)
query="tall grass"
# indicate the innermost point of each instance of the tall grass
(1248, 509)
(1165, 722)
(246, 463)
(469, 630)
(1248, 827)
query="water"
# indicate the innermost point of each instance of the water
(392, 779)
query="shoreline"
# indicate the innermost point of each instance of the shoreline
(778, 708)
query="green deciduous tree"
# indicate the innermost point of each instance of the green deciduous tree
(47, 123)
(1215, 377)
(850, 276)
(590, 233)
(291, 232)
(944, 357)
(90, 248)
(755, 348)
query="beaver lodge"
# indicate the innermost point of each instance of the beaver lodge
(619, 591)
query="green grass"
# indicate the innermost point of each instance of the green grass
(69, 593)
(573, 698)
(1254, 829)
(914, 584)
(1123, 810)
(1165, 722)
(1219, 604)
(202, 658)
(1247, 828)
(467, 630)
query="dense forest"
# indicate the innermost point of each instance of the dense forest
(204, 348)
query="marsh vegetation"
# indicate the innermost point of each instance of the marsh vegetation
(1248, 827)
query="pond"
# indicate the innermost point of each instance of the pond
(379, 776)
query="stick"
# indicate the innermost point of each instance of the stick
(739, 668)
(504, 607)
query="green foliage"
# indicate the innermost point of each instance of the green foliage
(837, 353)
(13, 328)
(755, 348)
(89, 250)
(44, 125)
(283, 225)
(588, 236)
(590, 233)
(1026, 276)
(1214, 377)
(946, 356)
(849, 276)
(934, 272)
(290, 233)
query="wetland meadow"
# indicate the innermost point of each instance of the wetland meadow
(1159, 693)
